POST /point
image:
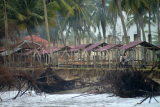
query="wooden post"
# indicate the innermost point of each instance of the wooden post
(153, 57)
(94, 59)
(90, 40)
(46, 58)
(72, 56)
(84, 40)
(150, 52)
(58, 42)
(133, 58)
(109, 59)
(88, 56)
(101, 60)
(116, 57)
(105, 54)
(81, 41)
(81, 58)
(67, 43)
(58, 58)
(49, 58)
(136, 51)
(115, 41)
(105, 40)
(109, 39)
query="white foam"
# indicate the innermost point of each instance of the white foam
(100, 100)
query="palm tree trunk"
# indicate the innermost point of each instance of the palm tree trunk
(79, 39)
(6, 30)
(47, 30)
(76, 34)
(158, 22)
(61, 31)
(122, 20)
(88, 30)
(149, 23)
(137, 27)
(150, 36)
(30, 33)
(103, 20)
(83, 32)
(142, 27)
(139, 31)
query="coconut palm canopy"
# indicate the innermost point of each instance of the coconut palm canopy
(80, 18)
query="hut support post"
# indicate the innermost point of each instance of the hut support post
(49, 58)
(46, 59)
(153, 57)
(88, 56)
(31, 60)
(94, 60)
(97, 58)
(101, 59)
(67, 58)
(116, 57)
(133, 57)
(72, 59)
(57, 59)
(109, 59)
(105, 54)
(81, 58)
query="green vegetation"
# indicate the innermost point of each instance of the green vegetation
(78, 18)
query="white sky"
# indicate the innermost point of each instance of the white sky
(130, 32)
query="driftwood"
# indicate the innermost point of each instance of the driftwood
(21, 80)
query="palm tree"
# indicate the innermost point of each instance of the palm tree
(47, 30)
(28, 14)
(115, 5)
(122, 20)
(101, 15)
(158, 22)
(138, 9)
(81, 18)
(6, 29)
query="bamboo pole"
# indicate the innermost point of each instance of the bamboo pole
(94, 59)
(101, 59)
(109, 59)
(153, 56)
(46, 59)
(81, 58)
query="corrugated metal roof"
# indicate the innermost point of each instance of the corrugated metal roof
(142, 43)
(130, 45)
(46, 51)
(25, 44)
(107, 47)
(94, 46)
(28, 52)
(11, 51)
(62, 48)
(79, 47)
(21, 45)
(2, 49)
(36, 39)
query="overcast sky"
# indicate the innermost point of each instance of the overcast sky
(130, 32)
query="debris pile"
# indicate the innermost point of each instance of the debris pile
(50, 82)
